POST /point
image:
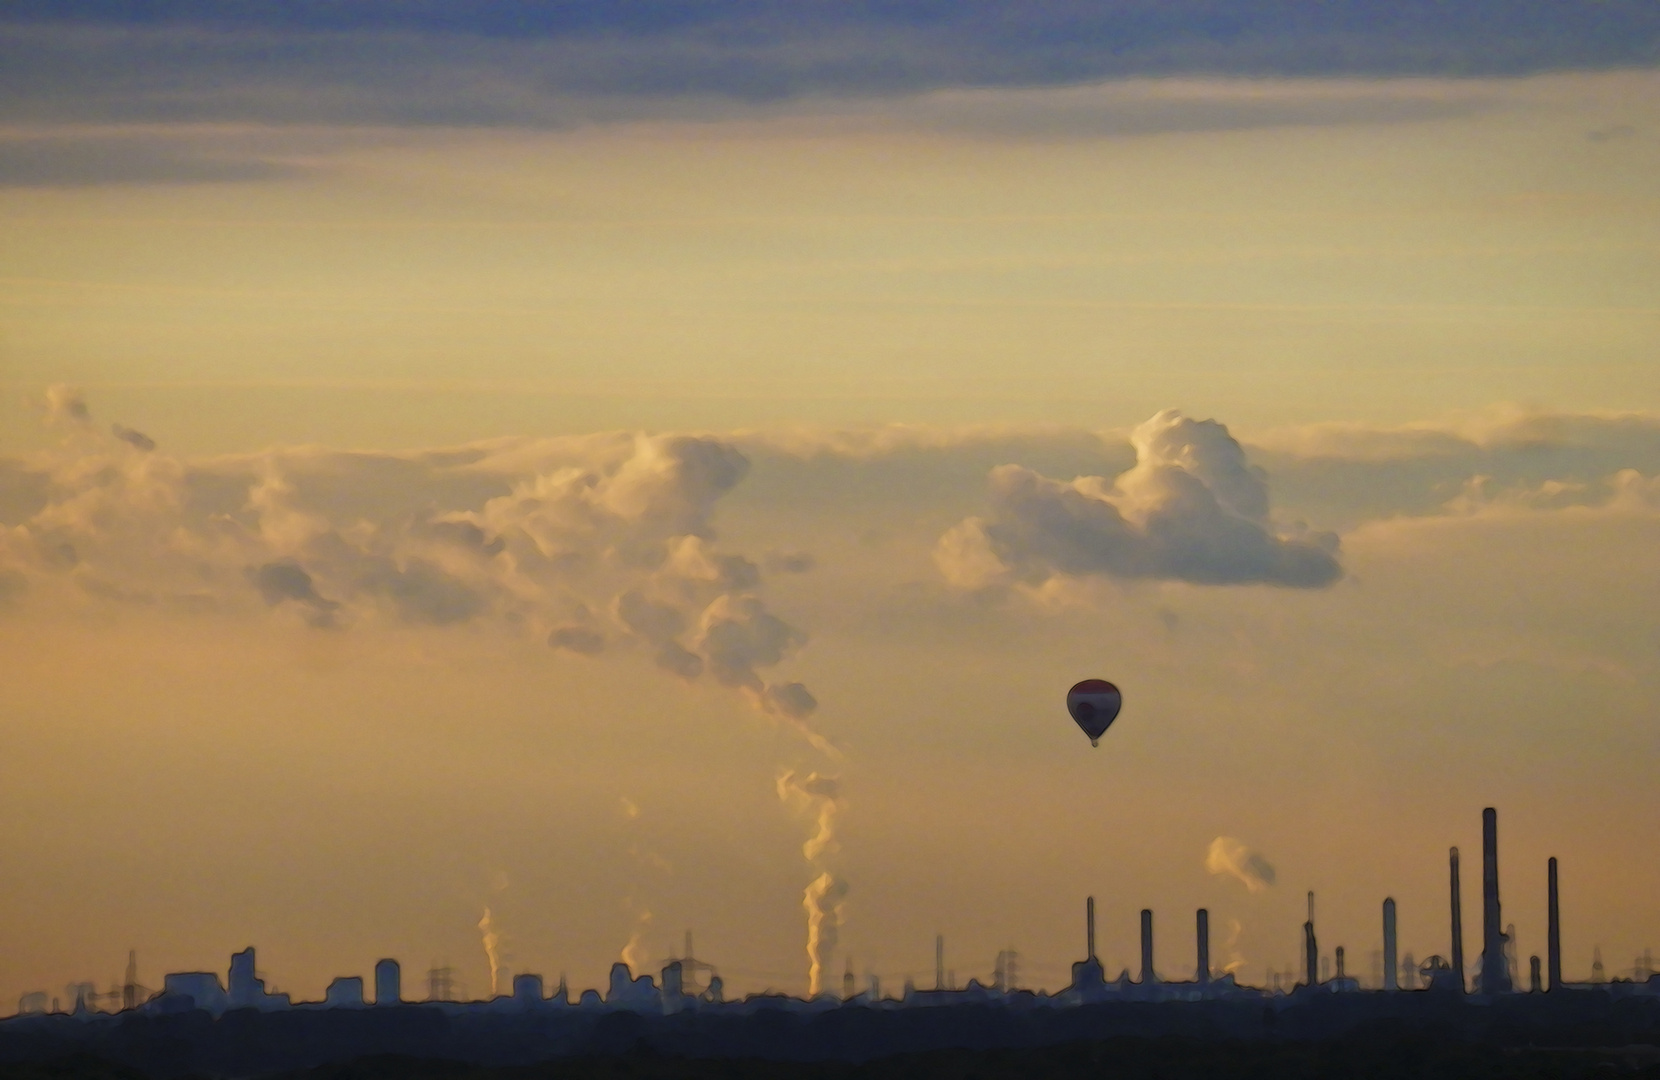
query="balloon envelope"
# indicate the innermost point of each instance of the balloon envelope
(1094, 704)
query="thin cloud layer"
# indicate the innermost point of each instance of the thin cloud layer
(552, 64)
(1191, 509)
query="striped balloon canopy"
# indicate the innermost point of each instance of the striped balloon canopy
(1094, 704)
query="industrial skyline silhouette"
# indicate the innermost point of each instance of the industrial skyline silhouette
(196, 1023)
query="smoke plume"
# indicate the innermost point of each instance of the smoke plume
(825, 899)
(492, 945)
(1236, 959)
(1228, 856)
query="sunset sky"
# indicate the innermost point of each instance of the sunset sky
(562, 459)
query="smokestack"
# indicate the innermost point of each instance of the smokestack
(1089, 928)
(388, 982)
(1533, 974)
(129, 987)
(1553, 947)
(1495, 973)
(1457, 922)
(939, 961)
(1203, 970)
(1341, 975)
(1389, 968)
(1311, 949)
(1147, 945)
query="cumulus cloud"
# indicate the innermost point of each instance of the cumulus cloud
(1191, 509)
(583, 542)
(286, 579)
(135, 439)
(790, 562)
(1231, 858)
(65, 403)
(791, 699)
(738, 635)
(577, 639)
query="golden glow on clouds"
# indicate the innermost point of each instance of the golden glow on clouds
(1327, 268)
(407, 288)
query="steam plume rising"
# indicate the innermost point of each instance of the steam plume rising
(633, 954)
(1229, 856)
(1236, 959)
(825, 899)
(492, 943)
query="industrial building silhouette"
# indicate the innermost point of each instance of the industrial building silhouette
(196, 1023)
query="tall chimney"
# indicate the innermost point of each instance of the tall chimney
(1147, 945)
(939, 961)
(1311, 948)
(388, 982)
(1089, 929)
(1533, 974)
(1202, 972)
(1341, 974)
(1390, 980)
(1553, 947)
(1457, 923)
(1495, 972)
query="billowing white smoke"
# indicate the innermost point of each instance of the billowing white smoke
(1228, 856)
(634, 954)
(819, 797)
(588, 543)
(492, 950)
(1236, 959)
(650, 868)
(1192, 509)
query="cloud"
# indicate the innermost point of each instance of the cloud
(1344, 474)
(1231, 858)
(577, 639)
(791, 699)
(422, 591)
(1191, 509)
(73, 159)
(584, 543)
(135, 439)
(287, 580)
(535, 64)
(738, 635)
(790, 562)
(65, 403)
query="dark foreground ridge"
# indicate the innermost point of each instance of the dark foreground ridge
(1309, 1033)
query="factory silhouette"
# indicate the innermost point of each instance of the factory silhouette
(196, 1024)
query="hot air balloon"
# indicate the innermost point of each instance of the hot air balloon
(1094, 703)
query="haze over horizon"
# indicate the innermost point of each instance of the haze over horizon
(537, 460)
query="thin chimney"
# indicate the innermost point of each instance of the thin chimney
(1311, 948)
(939, 961)
(1457, 923)
(1390, 979)
(1553, 947)
(1203, 971)
(1089, 928)
(1147, 945)
(1495, 972)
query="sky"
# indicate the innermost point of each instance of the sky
(631, 469)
